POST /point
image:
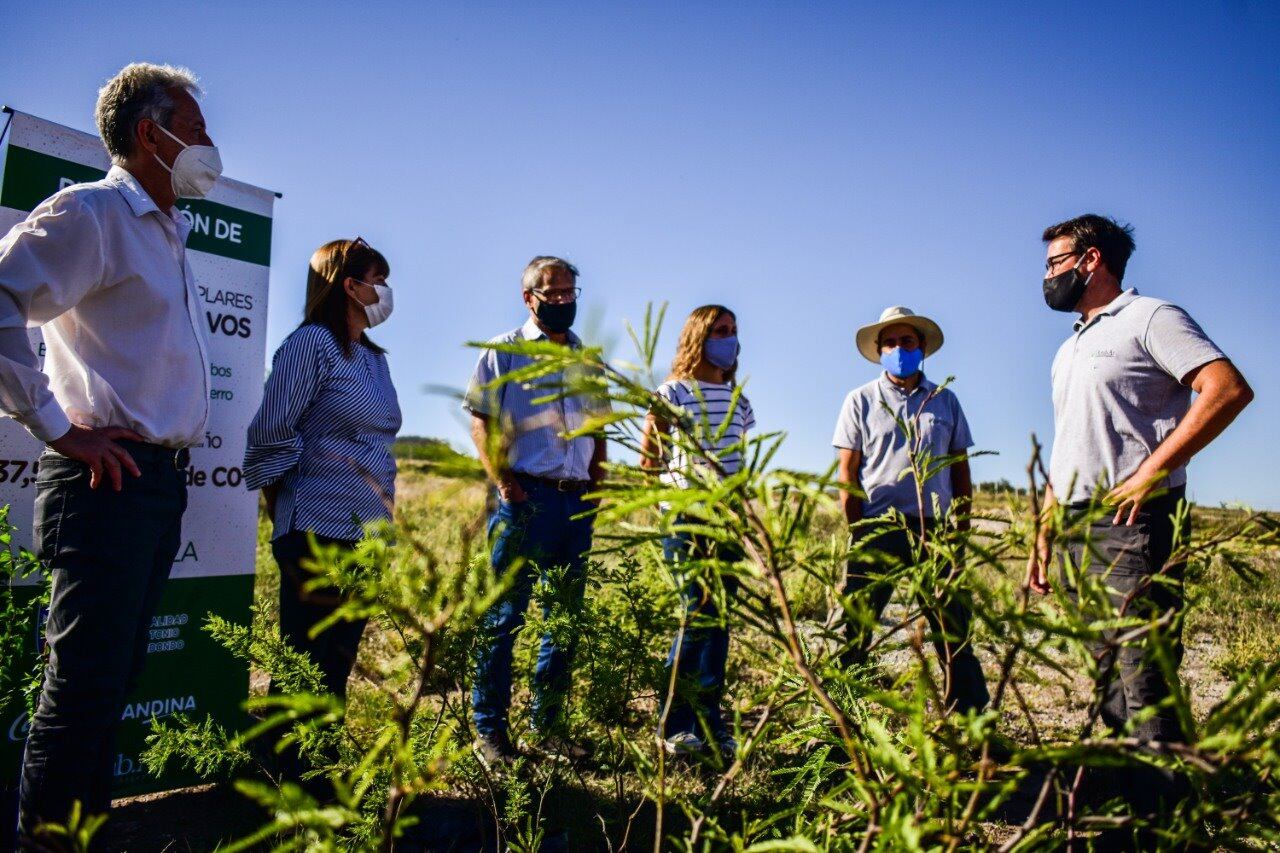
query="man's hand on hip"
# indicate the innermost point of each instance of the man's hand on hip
(511, 491)
(1129, 496)
(97, 448)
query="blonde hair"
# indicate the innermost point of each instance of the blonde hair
(139, 90)
(692, 338)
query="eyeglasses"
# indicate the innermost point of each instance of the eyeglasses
(560, 296)
(1054, 260)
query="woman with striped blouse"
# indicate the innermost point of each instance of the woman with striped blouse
(703, 386)
(320, 444)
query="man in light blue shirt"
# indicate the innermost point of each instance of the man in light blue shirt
(541, 476)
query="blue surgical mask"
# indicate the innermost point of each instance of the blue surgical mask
(902, 362)
(722, 352)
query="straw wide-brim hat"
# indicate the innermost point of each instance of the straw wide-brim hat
(930, 332)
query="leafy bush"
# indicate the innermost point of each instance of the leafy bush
(830, 758)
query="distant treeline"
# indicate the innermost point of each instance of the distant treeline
(438, 456)
(1000, 487)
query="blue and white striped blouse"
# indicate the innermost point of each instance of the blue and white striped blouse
(324, 431)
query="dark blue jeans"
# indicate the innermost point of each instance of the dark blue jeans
(701, 652)
(528, 539)
(110, 554)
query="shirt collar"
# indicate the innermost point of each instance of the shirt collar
(923, 385)
(1112, 308)
(140, 201)
(531, 332)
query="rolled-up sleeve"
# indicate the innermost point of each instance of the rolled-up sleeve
(48, 263)
(479, 399)
(274, 441)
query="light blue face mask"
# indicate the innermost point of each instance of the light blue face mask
(722, 352)
(902, 363)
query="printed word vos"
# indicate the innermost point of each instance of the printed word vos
(228, 324)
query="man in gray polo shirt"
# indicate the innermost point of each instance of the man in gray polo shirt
(875, 451)
(1125, 427)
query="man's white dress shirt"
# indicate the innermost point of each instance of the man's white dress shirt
(105, 272)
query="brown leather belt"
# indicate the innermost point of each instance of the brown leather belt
(558, 485)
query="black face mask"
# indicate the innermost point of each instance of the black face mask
(556, 317)
(1064, 291)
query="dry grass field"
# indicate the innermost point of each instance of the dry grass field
(1230, 627)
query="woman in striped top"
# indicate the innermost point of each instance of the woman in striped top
(320, 444)
(703, 385)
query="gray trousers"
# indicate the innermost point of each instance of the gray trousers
(110, 554)
(1128, 557)
(964, 685)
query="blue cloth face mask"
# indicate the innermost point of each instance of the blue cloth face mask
(902, 362)
(722, 352)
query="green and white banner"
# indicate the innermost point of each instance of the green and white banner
(230, 253)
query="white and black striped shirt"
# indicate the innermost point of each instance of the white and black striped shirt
(324, 431)
(706, 406)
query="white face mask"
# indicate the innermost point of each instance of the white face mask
(195, 169)
(379, 311)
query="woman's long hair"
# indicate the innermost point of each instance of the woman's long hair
(327, 299)
(692, 338)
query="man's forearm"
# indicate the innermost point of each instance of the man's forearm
(485, 442)
(599, 456)
(851, 496)
(24, 389)
(1211, 412)
(1048, 502)
(1047, 506)
(851, 504)
(962, 492)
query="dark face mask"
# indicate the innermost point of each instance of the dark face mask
(1064, 291)
(555, 317)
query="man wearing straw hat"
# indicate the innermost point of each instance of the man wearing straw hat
(881, 425)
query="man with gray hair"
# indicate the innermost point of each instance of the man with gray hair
(541, 476)
(102, 267)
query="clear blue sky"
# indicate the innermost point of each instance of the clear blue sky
(806, 164)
